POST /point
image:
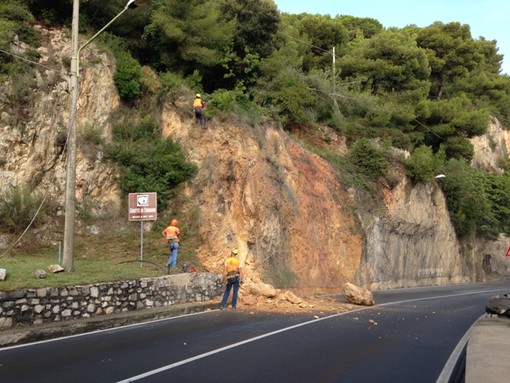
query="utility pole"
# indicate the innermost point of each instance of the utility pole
(334, 70)
(70, 192)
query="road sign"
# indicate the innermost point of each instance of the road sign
(143, 207)
(507, 252)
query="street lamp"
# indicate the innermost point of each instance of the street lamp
(70, 192)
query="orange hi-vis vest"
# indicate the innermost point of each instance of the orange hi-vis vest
(171, 233)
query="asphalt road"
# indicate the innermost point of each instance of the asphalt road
(408, 337)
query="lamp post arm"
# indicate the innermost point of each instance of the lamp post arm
(102, 29)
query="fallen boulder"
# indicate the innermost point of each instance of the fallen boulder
(358, 295)
(40, 274)
(56, 268)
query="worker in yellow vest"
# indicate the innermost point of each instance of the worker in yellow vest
(233, 275)
(198, 109)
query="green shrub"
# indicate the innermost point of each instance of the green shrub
(222, 100)
(171, 85)
(149, 163)
(233, 104)
(423, 165)
(128, 130)
(468, 195)
(18, 207)
(92, 134)
(127, 76)
(156, 168)
(368, 159)
(459, 148)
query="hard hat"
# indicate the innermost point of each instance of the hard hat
(174, 222)
(198, 95)
(235, 250)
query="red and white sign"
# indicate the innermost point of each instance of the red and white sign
(143, 207)
(507, 252)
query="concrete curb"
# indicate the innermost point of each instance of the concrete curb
(488, 351)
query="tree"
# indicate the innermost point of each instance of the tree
(320, 33)
(189, 35)
(388, 62)
(364, 26)
(452, 53)
(451, 122)
(256, 24)
(282, 84)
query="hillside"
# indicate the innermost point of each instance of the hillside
(291, 192)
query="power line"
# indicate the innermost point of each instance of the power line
(27, 60)
(306, 42)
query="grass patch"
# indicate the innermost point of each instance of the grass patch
(111, 255)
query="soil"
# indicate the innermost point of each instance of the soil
(302, 300)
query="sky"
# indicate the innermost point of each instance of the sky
(487, 18)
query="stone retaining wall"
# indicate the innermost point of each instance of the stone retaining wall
(53, 304)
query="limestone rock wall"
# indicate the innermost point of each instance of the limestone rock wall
(413, 243)
(33, 135)
(490, 147)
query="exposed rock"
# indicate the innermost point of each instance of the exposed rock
(3, 274)
(490, 147)
(4, 242)
(358, 295)
(413, 242)
(248, 300)
(55, 268)
(40, 274)
(32, 149)
(260, 289)
(290, 297)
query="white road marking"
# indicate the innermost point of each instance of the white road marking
(445, 375)
(205, 355)
(219, 350)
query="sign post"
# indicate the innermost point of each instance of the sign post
(507, 254)
(142, 207)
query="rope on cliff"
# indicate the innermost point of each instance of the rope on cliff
(46, 192)
(28, 226)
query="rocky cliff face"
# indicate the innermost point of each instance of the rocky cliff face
(259, 190)
(413, 243)
(256, 188)
(32, 148)
(490, 147)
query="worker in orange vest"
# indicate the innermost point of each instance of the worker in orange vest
(171, 234)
